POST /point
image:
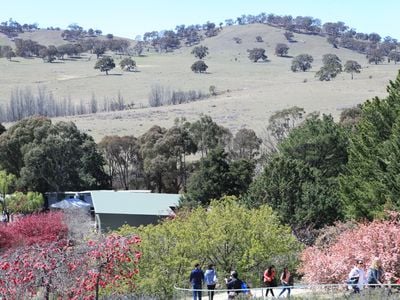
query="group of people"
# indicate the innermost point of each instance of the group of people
(197, 277)
(359, 277)
(235, 285)
(270, 281)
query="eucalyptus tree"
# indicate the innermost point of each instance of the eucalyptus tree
(302, 62)
(281, 49)
(199, 67)
(246, 144)
(123, 160)
(200, 51)
(51, 157)
(331, 67)
(208, 135)
(351, 66)
(105, 64)
(256, 54)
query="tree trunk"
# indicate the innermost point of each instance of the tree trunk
(98, 282)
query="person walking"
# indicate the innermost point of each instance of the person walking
(285, 281)
(269, 280)
(210, 278)
(375, 274)
(196, 279)
(356, 278)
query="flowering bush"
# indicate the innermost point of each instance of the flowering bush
(113, 265)
(103, 266)
(33, 229)
(332, 263)
(36, 256)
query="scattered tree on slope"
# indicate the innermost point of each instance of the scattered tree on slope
(105, 64)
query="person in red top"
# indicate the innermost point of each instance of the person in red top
(269, 279)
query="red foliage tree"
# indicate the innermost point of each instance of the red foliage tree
(114, 261)
(74, 272)
(33, 229)
(332, 263)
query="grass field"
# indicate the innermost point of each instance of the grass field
(249, 92)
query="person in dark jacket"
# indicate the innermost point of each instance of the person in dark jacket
(196, 279)
(234, 284)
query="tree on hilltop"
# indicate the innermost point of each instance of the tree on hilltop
(200, 52)
(105, 64)
(351, 66)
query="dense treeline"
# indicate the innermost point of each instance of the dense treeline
(313, 172)
(157, 160)
(51, 157)
(337, 33)
(12, 28)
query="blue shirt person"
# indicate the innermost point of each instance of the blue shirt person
(196, 279)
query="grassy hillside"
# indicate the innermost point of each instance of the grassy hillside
(250, 92)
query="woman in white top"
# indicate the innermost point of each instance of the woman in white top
(357, 276)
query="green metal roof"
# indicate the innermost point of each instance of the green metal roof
(133, 203)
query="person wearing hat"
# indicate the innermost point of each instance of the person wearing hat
(356, 278)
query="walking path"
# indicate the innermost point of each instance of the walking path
(258, 293)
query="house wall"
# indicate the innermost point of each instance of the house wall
(114, 221)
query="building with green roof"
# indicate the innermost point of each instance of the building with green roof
(112, 209)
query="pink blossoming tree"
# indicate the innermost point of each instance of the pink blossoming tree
(332, 262)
